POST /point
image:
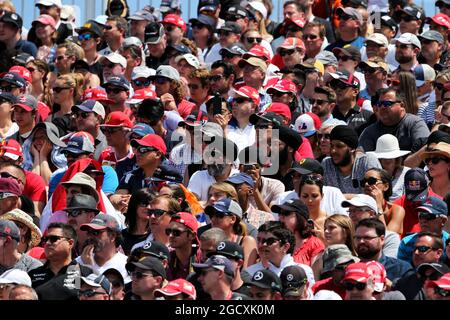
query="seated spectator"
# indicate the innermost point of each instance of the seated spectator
(265, 285)
(147, 275)
(95, 287)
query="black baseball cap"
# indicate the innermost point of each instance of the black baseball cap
(307, 166)
(269, 117)
(148, 263)
(235, 48)
(154, 32)
(6, 96)
(228, 249)
(439, 267)
(82, 202)
(231, 26)
(292, 206)
(12, 18)
(92, 27)
(293, 278)
(266, 279)
(155, 249)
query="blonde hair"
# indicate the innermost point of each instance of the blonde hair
(226, 188)
(7, 5)
(75, 81)
(72, 49)
(346, 224)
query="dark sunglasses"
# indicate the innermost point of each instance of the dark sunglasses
(344, 58)
(83, 114)
(325, 136)
(435, 160)
(393, 82)
(241, 100)
(8, 88)
(217, 214)
(423, 249)
(318, 101)
(311, 178)
(349, 286)
(216, 77)
(268, 241)
(234, 18)
(31, 69)
(140, 83)
(433, 276)
(170, 28)
(286, 52)
(88, 293)
(144, 149)
(370, 70)
(278, 94)
(59, 58)
(59, 89)
(8, 175)
(174, 232)
(253, 39)
(441, 292)
(309, 37)
(140, 275)
(371, 181)
(85, 37)
(114, 90)
(76, 212)
(94, 232)
(386, 103)
(427, 216)
(69, 154)
(336, 84)
(52, 239)
(156, 212)
(109, 130)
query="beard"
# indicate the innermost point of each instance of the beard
(403, 59)
(345, 160)
(283, 154)
(366, 252)
(216, 170)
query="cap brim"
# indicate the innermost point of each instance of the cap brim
(81, 208)
(357, 279)
(301, 170)
(389, 155)
(87, 226)
(23, 106)
(417, 196)
(260, 285)
(279, 208)
(165, 292)
(292, 292)
(90, 282)
(308, 133)
(12, 156)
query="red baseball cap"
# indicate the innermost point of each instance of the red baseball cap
(440, 19)
(281, 109)
(46, 20)
(257, 51)
(142, 94)
(379, 275)
(248, 92)
(151, 140)
(21, 71)
(11, 149)
(297, 20)
(358, 272)
(292, 43)
(97, 95)
(285, 86)
(175, 20)
(186, 219)
(176, 287)
(117, 119)
(316, 119)
(443, 282)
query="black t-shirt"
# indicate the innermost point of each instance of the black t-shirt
(129, 240)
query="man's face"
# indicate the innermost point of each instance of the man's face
(62, 61)
(374, 49)
(112, 34)
(159, 222)
(432, 223)
(242, 108)
(227, 38)
(100, 239)
(53, 11)
(253, 75)
(162, 85)
(57, 247)
(180, 235)
(143, 282)
(347, 63)
(174, 34)
(218, 82)
(7, 31)
(340, 153)
(11, 88)
(97, 293)
(393, 114)
(404, 53)
(409, 24)
(269, 246)
(289, 11)
(117, 94)
(357, 214)
(157, 49)
(344, 92)
(355, 294)
(199, 93)
(367, 243)
(321, 107)
(283, 97)
(7, 204)
(311, 38)
(257, 293)
(145, 156)
(208, 279)
(83, 216)
(424, 251)
(431, 49)
(291, 57)
(348, 23)
(115, 135)
(137, 28)
(111, 69)
(207, 246)
(87, 121)
(374, 76)
(23, 118)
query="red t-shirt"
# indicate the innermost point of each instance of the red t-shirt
(328, 284)
(35, 187)
(185, 108)
(310, 248)
(305, 151)
(411, 220)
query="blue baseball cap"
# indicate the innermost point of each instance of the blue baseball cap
(79, 143)
(142, 129)
(14, 79)
(7, 97)
(118, 81)
(434, 206)
(181, 48)
(226, 206)
(240, 178)
(416, 185)
(218, 262)
(204, 19)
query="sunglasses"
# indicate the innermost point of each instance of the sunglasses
(52, 239)
(108, 65)
(174, 232)
(156, 212)
(140, 275)
(403, 46)
(278, 94)
(336, 84)
(241, 100)
(433, 276)
(85, 37)
(349, 286)
(170, 28)
(77, 212)
(309, 37)
(441, 292)
(31, 69)
(216, 77)
(268, 241)
(317, 101)
(308, 178)
(435, 160)
(234, 18)
(88, 293)
(144, 149)
(8, 175)
(59, 89)
(94, 232)
(386, 103)
(344, 58)
(253, 39)
(108, 130)
(423, 249)
(427, 216)
(371, 181)
(370, 70)
(114, 90)
(142, 83)
(8, 88)
(393, 82)
(161, 80)
(83, 115)
(216, 214)
(286, 52)
(325, 136)
(59, 58)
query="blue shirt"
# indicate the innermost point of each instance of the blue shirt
(406, 248)
(357, 42)
(395, 268)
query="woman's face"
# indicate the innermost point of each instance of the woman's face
(334, 234)
(44, 31)
(141, 211)
(40, 136)
(311, 196)
(371, 175)
(6, 110)
(290, 220)
(215, 195)
(224, 223)
(36, 74)
(24, 231)
(61, 92)
(389, 165)
(441, 168)
(324, 141)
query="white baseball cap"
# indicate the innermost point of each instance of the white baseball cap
(260, 7)
(361, 200)
(409, 38)
(424, 72)
(305, 125)
(15, 276)
(49, 3)
(378, 38)
(142, 72)
(114, 57)
(190, 58)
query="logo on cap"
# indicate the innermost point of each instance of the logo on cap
(221, 246)
(258, 276)
(14, 16)
(23, 99)
(289, 277)
(87, 25)
(414, 185)
(147, 245)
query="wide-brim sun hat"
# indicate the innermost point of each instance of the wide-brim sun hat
(23, 217)
(388, 148)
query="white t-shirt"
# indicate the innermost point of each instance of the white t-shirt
(331, 202)
(242, 137)
(117, 262)
(398, 184)
(201, 181)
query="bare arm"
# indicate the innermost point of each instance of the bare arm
(250, 251)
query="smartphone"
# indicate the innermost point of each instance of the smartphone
(217, 104)
(248, 167)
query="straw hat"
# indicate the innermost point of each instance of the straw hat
(23, 217)
(441, 149)
(388, 148)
